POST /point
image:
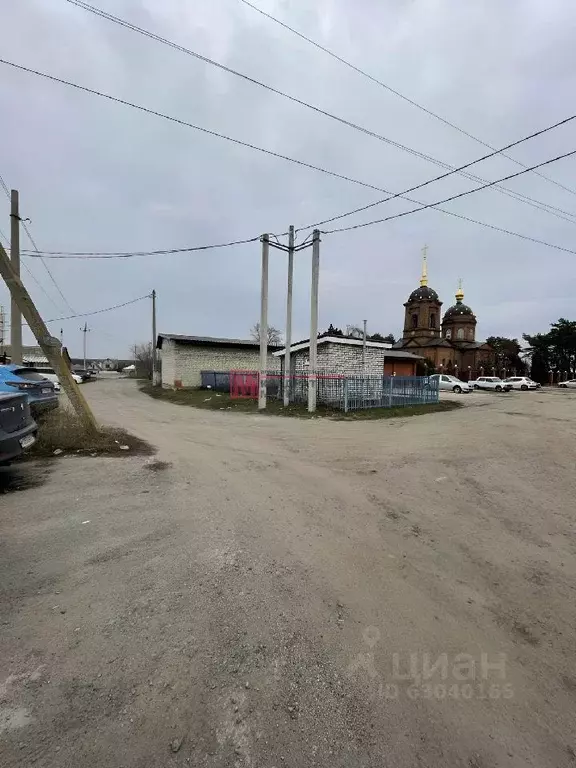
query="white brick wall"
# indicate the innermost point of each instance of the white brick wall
(343, 359)
(183, 362)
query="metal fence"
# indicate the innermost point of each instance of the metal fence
(352, 393)
(335, 390)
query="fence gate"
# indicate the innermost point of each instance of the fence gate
(244, 384)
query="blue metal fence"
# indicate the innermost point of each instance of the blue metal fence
(341, 391)
(361, 392)
(351, 393)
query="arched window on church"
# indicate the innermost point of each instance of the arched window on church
(432, 320)
(415, 321)
(471, 334)
(448, 333)
(460, 333)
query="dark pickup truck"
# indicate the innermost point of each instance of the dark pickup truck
(17, 427)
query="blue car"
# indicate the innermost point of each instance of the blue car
(39, 391)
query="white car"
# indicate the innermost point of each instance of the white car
(522, 382)
(570, 384)
(491, 382)
(450, 383)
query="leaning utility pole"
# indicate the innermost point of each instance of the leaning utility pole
(313, 369)
(287, 371)
(262, 388)
(49, 344)
(15, 314)
(154, 353)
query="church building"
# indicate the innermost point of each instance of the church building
(449, 342)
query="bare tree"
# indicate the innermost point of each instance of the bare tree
(274, 335)
(143, 360)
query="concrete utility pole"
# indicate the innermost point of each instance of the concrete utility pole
(85, 330)
(15, 314)
(312, 371)
(263, 324)
(287, 372)
(154, 353)
(49, 344)
(364, 350)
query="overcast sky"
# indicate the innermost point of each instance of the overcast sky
(99, 176)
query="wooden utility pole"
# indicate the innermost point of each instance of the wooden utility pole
(49, 344)
(15, 314)
(154, 353)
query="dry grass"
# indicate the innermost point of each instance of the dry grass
(206, 398)
(61, 430)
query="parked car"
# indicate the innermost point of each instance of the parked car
(522, 382)
(570, 384)
(491, 382)
(41, 394)
(82, 373)
(17, 427)
(36, 374)
(450, 383)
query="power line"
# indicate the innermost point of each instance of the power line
(398, 93)
(452, 197)
(443, 176)
(153, 36)
(25, 228)
(131, 254)
(258, 149)
(97, 311)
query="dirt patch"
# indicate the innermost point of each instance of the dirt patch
(60, 432)
(157, 466)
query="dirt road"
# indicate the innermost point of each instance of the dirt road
(278, 592)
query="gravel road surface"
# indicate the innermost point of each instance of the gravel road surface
(270, 592)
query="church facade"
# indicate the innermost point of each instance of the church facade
(447, 342)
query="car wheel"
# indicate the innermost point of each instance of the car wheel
(476, 386)
(498, 388)
(524, 387)
(457, 389)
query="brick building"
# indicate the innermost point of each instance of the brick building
(185, 357)
(344, 355)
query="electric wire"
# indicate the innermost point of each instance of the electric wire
(511, 193)
(398, 93)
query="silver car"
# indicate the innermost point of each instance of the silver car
(570, 384)
(491, 382)
(522, 382)
(450, 383)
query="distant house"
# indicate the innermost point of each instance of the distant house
(184, 358)
(337, 354)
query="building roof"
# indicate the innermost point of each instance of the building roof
(210, 341)
(389, 352)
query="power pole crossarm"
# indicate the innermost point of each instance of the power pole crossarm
(49, 344)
